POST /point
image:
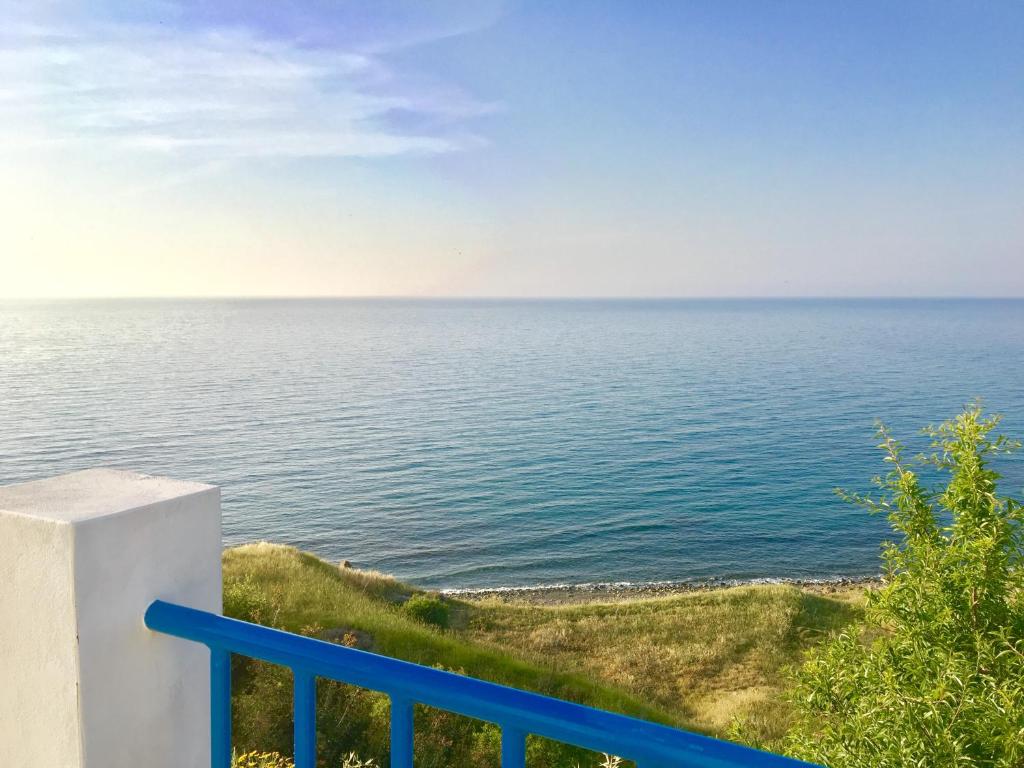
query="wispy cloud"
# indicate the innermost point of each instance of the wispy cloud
(218, 91)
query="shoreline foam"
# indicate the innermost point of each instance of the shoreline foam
(559, 594)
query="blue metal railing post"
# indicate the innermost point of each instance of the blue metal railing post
(513, 748)
(401, 732)
(220, 708)
(305, 719)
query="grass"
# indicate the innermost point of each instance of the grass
(311, 596)
(705, 658)
(697, 661)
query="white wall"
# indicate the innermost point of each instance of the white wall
(83, 683)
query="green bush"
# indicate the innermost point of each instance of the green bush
(246, 600)
(430, 609)
(934, 675)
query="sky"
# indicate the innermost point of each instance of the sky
(511, 148)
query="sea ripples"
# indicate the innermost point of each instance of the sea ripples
(491, 444)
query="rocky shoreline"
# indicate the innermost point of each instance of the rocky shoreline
(569, 594)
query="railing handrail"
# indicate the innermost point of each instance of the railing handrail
(647, 743)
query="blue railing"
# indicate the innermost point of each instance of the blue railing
(518, 713)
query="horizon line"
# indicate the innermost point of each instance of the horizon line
(509, 298)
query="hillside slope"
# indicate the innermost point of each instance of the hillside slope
(695, 661)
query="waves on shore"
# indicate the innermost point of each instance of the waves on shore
(644, 588)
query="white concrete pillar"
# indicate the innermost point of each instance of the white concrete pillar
(83, 683)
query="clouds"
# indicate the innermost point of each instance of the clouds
(171, 80)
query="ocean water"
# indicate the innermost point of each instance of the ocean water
(487, 444)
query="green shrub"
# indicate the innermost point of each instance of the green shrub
(934, 675)
(245, 599)
(430, 609)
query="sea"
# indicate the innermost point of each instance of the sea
(465, 444)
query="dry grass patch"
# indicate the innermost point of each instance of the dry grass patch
(708, 657)
(698, 660)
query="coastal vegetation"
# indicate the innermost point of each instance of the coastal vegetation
(934, 673)
(697, 661)
(924, 669)
(282, 587)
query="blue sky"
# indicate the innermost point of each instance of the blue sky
(715, 148)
